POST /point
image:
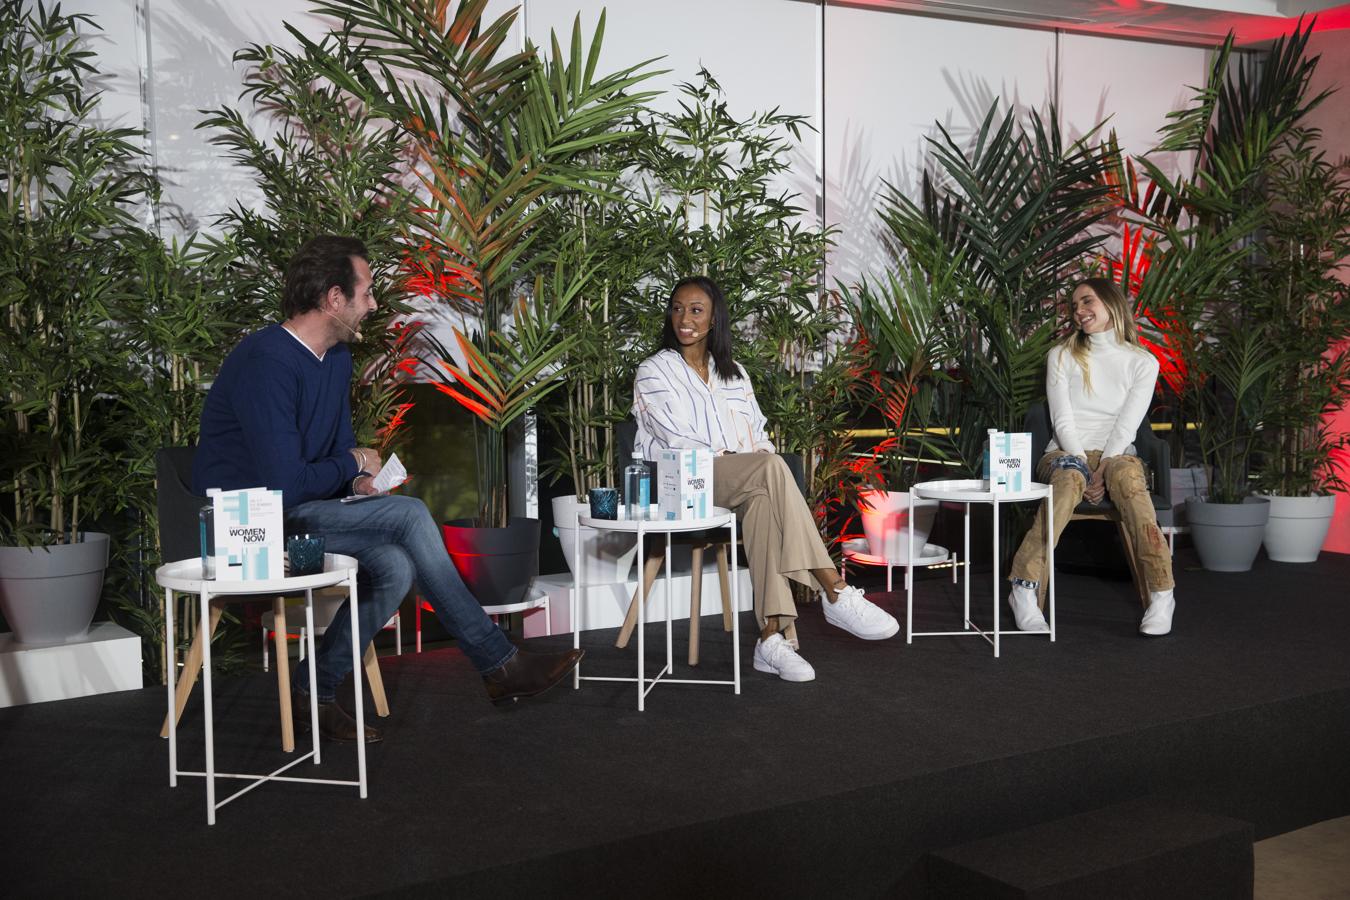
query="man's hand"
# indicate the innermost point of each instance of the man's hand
(1096, 487)
(364, 485)
(367, 460)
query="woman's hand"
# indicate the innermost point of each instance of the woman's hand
(1096, 486)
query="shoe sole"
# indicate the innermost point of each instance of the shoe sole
(892, 631)
(303, 728)
(513, 698)
(769, 670)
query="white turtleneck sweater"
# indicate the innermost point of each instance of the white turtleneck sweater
(1107, 417)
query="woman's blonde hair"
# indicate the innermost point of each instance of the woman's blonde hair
(1077, 341)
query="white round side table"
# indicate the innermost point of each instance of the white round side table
(968, 491)
(720, 518)
(185, 576)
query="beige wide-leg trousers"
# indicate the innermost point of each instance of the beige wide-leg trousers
(1128, 490)
(778, 529)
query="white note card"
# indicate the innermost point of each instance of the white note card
(391, 476)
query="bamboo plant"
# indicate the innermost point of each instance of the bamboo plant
(710, 197)
(70, 190)
(1296, 289)
(328, 165)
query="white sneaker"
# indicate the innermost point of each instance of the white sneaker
(1026, 611)
(777, 657)
(1158, 617)
(859, 616)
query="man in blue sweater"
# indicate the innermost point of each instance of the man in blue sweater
(278, 416)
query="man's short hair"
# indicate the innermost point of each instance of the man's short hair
(323, 262)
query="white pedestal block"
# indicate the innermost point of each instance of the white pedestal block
(107, 659)
(605, 604)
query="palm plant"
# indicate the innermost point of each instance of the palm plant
(1018, 209)
(494, 136)
(1241, 368)
(1203, 262)
(900, 320)
(520, 368)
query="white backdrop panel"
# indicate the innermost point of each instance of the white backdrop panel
(116, 43)
(1135, 83)
(763, 53)
(193, 44)
(888, 78)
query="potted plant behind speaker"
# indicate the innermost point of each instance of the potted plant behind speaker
(498, 555)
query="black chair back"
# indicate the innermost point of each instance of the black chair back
(178, 506)
(1153, 450)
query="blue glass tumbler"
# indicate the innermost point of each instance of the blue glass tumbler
(305, 552)
(604, 503)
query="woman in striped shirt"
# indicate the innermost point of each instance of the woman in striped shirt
(693, 395)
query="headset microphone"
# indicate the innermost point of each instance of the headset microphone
(356, 334)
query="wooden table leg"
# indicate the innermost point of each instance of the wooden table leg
(648, 579)
(283, 674)
(372, 666)
(725, 583)
(695, 600)
(192, 666)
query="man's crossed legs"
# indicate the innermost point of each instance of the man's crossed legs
(396, 543)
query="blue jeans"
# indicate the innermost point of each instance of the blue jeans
(396, 542)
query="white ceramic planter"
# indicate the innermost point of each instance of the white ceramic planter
(609, 555)
(886, 522)
(49, 595)
(1227, 536)
(1297, 527)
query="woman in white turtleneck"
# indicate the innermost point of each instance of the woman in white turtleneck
(1099, 382)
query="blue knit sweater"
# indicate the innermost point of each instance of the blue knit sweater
(278, 417)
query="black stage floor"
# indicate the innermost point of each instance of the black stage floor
(833, 788)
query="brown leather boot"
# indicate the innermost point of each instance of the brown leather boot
(334, 723)
(527, 674)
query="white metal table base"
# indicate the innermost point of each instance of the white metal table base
(993, 636)
(210, 774)
(645, 684)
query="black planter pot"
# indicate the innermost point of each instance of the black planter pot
(497, 564)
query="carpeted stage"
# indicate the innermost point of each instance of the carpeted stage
(835, 788)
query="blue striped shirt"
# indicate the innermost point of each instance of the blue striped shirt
(674, 408)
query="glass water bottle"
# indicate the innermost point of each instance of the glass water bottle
(637, 488)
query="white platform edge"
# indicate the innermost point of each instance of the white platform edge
(605, 604)
(107, 659)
